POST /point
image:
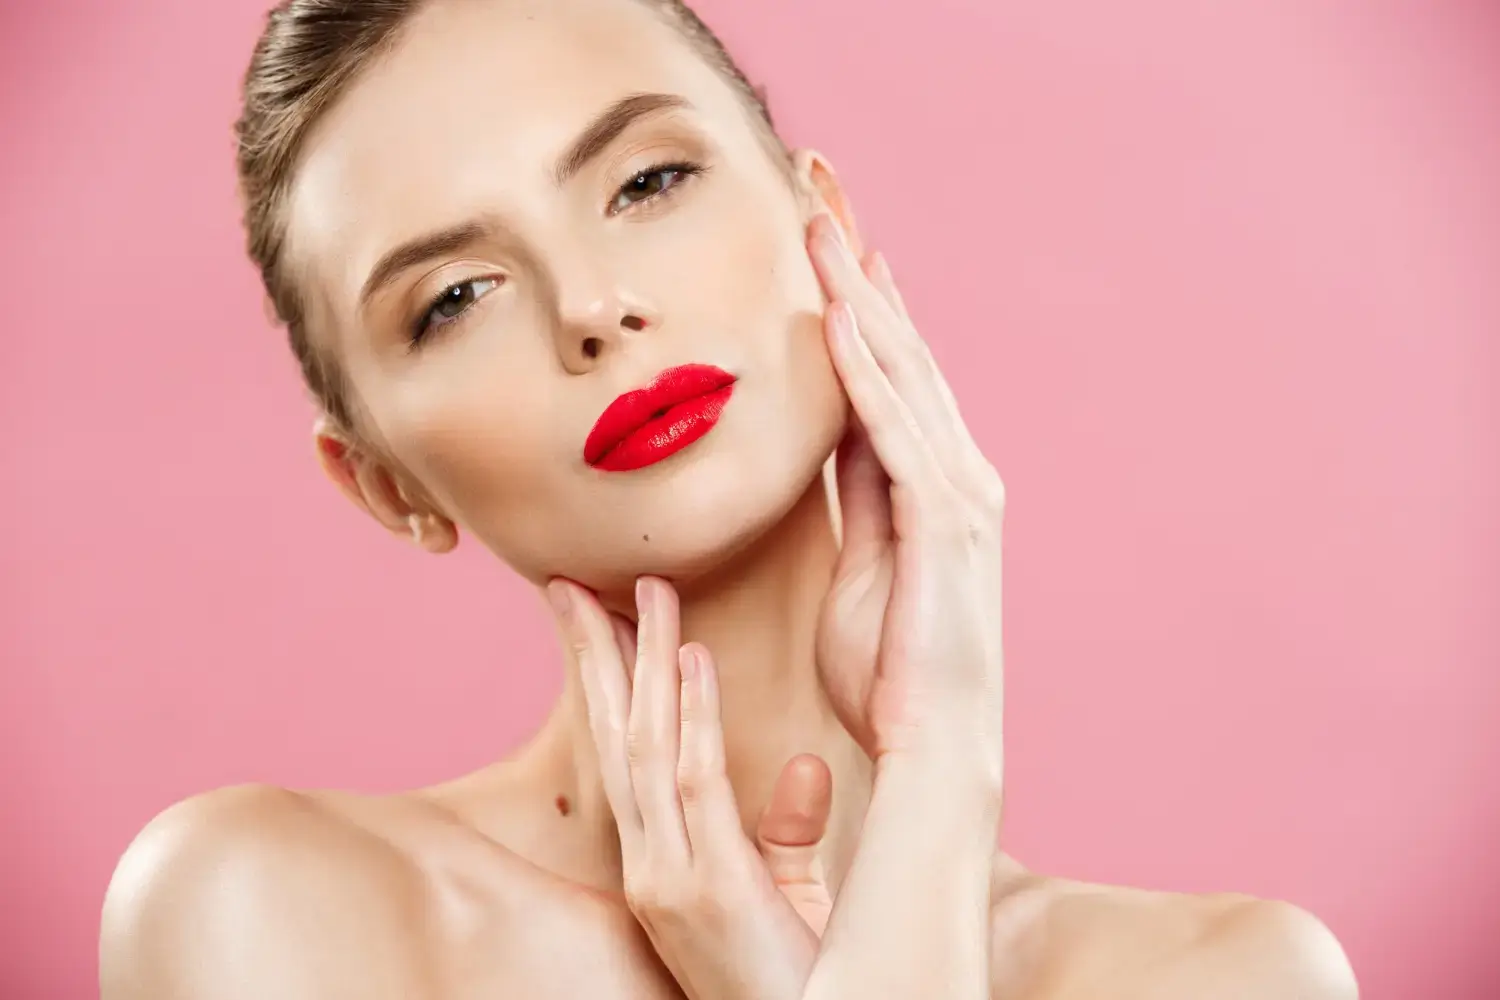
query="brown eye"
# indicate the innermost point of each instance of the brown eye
(452, 303)
(456, 299)
(649, 184)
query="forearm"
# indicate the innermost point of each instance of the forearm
(912, 917)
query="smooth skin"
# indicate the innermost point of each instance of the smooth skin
(776, 769)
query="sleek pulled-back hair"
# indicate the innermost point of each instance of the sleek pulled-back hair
(309, 54)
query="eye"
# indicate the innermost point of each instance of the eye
(450, 305)
(650, 183)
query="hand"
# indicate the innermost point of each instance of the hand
(729, 921)
(909, 645)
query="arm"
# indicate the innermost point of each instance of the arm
(253, 892)
(912, 918)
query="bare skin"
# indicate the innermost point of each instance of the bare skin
(527, 878)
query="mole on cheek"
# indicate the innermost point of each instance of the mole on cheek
(563, 806)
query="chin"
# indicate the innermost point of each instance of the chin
(696, 512)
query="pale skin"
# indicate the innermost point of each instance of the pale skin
(776, 770)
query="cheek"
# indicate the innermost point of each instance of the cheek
(762, 289)
(477, 436)
(739, 255)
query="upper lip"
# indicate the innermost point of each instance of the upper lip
(633, 409)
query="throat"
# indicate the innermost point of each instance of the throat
(758, 616)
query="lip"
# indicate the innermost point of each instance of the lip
(646, 425)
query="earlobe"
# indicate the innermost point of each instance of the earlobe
(432, 532)
(823, 192)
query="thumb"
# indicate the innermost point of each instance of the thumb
(789, 832)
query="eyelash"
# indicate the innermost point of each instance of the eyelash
(683, 169)
(423, 328)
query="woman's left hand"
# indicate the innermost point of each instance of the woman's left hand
(918, 576)
(730, 919)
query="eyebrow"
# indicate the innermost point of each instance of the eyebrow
(606, 127)
(419, 250)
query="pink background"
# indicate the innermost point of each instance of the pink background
(1218, 285)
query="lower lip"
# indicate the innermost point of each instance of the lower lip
(667, 434)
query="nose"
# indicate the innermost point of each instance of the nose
(596, 316)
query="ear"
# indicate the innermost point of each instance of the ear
(821, 191)
(370, 484)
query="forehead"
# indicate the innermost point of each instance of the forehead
(467, 113)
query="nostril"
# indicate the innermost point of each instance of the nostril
(633, 323)
(591, 347)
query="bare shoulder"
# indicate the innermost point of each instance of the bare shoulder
(1056, 939)
(256, 891)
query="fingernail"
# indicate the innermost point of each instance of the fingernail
(642, 594)
(562, 600)
(687, 662)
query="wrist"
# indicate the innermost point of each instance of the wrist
(950, 780)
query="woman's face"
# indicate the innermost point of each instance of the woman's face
(489, 285)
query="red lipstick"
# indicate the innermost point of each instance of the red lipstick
(644, 426)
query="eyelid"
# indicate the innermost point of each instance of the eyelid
(416, 328)
(664, 137)
(687, 169)
(441, 279)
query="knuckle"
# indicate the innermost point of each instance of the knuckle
(704, 899)
(689, 785)
(980, 534)
(982, 525)
(991, 497)
(640, 894)
(650, 895)
(970, 518)
(960, 529)
(919, 353)
(637, 749)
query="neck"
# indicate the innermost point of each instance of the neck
(758, 616)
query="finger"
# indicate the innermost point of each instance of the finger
(606, 692)
(624, 630)
(797, 815)
(904, 452)
(864, 492)
(879, 272)
(655, 720)
(708, 807)
(790, 831)
(897, 347)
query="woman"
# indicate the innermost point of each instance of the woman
(556, 283)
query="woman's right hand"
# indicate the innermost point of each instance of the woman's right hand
(730, 919)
